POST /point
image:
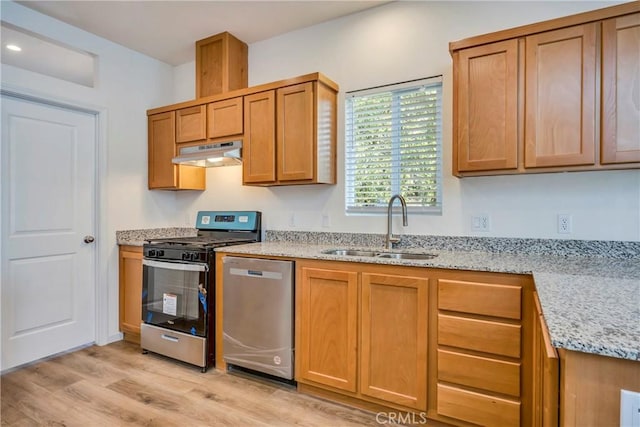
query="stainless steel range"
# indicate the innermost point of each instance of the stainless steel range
(178, 289)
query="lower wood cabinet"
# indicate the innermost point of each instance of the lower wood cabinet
(130, 287)
(483, 351)
(456, 347)
(546, 399)
(362, 331)
(393, 328)
(327, 332)
(590, 388)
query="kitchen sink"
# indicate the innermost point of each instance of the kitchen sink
(405, 255)
(349, 252)
(366, 253)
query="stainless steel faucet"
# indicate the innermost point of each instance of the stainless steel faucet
(390, 239)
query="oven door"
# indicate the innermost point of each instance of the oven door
(174, 295)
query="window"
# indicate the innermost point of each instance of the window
(393, 146)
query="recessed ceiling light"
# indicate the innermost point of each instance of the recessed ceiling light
(14, 47)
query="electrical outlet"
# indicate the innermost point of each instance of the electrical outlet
(564, 223)
(326, 220)
(629, 408)
(480, 222)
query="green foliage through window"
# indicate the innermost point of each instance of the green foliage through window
(393, 146)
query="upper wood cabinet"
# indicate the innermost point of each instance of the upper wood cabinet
(221, 65)
(532, 99)
(293, 141)
(560, 81)
(486, 127)
(225, 118)
(163, 174)
(621, 89)
(259, 144)
(191, 124)
(294, 138)
(288, 132)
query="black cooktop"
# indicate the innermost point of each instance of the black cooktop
(197, 241)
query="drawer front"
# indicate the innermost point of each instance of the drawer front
(480, 335)
(188, 348)
(477, 408)
(479, 372)
(480, 298)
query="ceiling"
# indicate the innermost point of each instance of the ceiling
(168, 30)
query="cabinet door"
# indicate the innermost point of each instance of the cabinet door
(191, 124)
(259, 146)
(621, 89)
(162, 148)
(163, 174)
(560, 78)
(295, 137)
(393, 360)
(486, 107)
(130, 291)
(224, 118)
(327, 336)
(545, 373)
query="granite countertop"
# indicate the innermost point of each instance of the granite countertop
(590, 303)
(138, 237)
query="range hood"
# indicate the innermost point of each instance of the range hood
(210, 155)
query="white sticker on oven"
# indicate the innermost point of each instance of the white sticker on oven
(205, 219)
(170, 304)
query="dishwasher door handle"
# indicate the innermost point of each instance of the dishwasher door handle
(257, 274)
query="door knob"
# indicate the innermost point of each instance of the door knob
(89, 239)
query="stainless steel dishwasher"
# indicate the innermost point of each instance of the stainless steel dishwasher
(258, 315)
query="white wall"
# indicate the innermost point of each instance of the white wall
(128, 84)
(391, 43)
(407, 40)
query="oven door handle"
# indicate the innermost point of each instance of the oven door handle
(175, 265)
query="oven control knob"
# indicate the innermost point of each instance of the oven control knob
(185, 256)
(152, 252)
(194, 256)
(160, 253)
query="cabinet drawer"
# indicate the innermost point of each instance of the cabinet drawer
(480, 335)
(479, 372)
(480, 298)
(477, 408)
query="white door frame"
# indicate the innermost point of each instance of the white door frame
(101, 308)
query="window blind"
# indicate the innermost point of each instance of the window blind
(393, 145)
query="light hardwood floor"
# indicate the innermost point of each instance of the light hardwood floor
(117, 385)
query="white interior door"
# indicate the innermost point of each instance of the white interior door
(48, 207)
